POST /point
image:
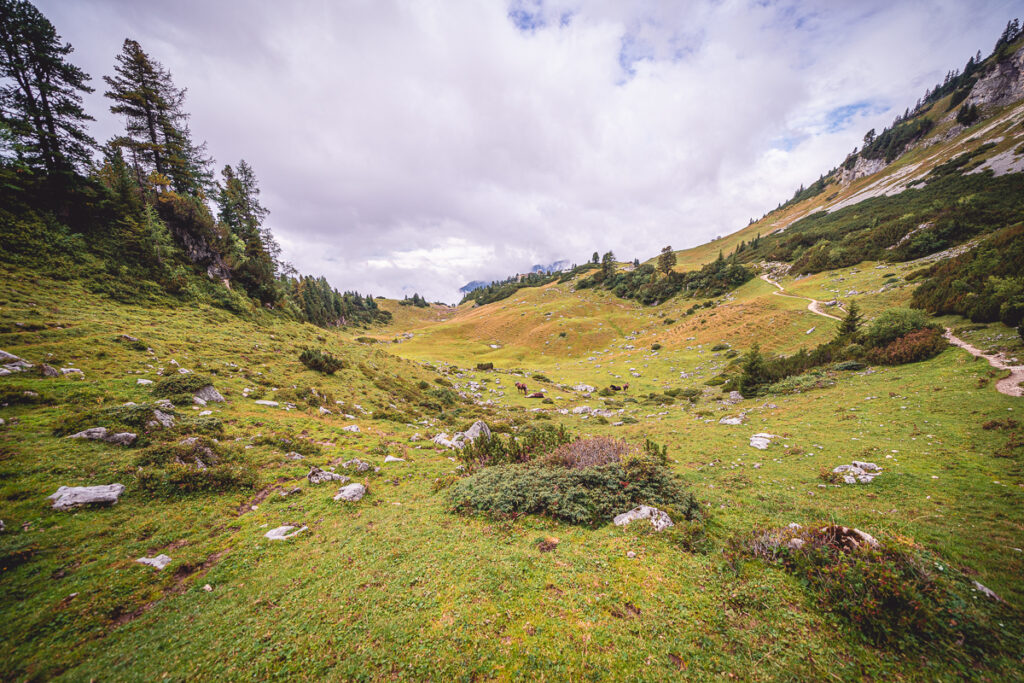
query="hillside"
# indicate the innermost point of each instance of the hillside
(303, 483)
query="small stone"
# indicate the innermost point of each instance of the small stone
(359, 465)
(351, 493)
(292, 455)
(68, 497)
(987, 592)
(160, 561)
(391, 458)
(49, 371)
(631, 554)
(263, 402)
(351, 428)
(207, 588)
(659, 520)
(143, 382)
(319, 476)
(281, 533)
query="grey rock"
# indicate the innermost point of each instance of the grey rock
(143, 382)
(281, 533)
(761, 441)
(319, 476)
(198, 401)
(478, 429)
(351, 493)
(987, 592)
(731, 421)
(163, 419)
(72, 371)
(160, 561)
(68, 497)
(351, 428)
(50, 371)
(659, 520)
(264, 402)
(735, 396)
(359, 465)
(391, 458)
(292, 455)
(865, 465)
(209, 394)
(103, 434)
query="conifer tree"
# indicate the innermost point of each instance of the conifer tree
(667, 260)
(41, 92)
(849, 328)
(608, 265)
(241, 212)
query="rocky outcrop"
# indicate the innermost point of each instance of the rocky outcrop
(69, 497)
(283, 533)
(209, 395)
(319, 476)
(861, 168)
(1001, 84)
(160, 561)
(659, 519)
(352, 493)
(103, 434)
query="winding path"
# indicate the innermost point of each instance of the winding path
(1011, 386)
(814, 306)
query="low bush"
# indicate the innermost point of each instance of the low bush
(895, 593)
(576, 455)
(797, 384)
(589, 496)
(496, 450)
(655, 346)
(541, 378)
(192, 465)
(485, 366)
(180, 388)
(910, 348)
(320, 361)
(895, 323)
(720, 347)
(850, 365)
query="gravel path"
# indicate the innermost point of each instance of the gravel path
(1011, 386)
(814, 306)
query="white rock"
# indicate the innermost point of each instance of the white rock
(761, 441)
(204, 413)
(143, 382)
(160, 561)
(324, 411)
(281, 533)
(351, 493)
(987, 592)
(478, 429)
(264, 402)
(351, 428)
(391, 458)
(731, 421)
(659, 520)
(198, 401)
(319, 476)
(209, 394)
(68, 497)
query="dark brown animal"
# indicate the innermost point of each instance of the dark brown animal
(521, 387)
(615, 387)
(536, 394)
(625, 387)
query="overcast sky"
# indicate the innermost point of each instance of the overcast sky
(413, 146)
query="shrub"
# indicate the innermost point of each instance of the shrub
(289, 442)
(895, 594)
(178, 387)
(655, 346)
(541, 378)
(532, 443)
(320, 361)
(192, 465)
(116, 418)
(798, 384)
(442, 381)
(910, 348)
(588, 496)
(576, 455)
(895, 323)
(485, 366)
(850, 365)
(722, 346)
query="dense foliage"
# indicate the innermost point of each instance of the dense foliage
(320, 361)
(649, 286)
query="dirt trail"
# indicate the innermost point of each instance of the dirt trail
(814, 306)
(1011, 386)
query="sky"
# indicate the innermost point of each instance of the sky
(413, 146)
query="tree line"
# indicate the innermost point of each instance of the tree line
(147, 203)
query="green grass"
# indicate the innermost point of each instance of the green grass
(397, 586)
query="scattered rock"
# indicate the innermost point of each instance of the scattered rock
(68, 497)
(324, 411)
(281, 533)
(659, 520)
(72, 371)
(584, 388)
(731, 421)
(351, 428)
(391, 458)
(858, 472)
(631, 554)
(987, 592)
(351, 493)
(160, 561)
(735, 396)
(208, 394)
(50, 371)
(319, 476)
(143, 382)
(207, 588)
(264, 402)
(761, 441)
(161, 419)
(292, 455)
(359, 465)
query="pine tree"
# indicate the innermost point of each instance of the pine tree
(41, 106)
(849, 328)
(595, 258)
(666, 260)
(241, 212)
(608, 265)
(156, 126)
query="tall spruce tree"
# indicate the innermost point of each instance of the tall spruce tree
(241, 212)
(156, 126)
(667, 260)
(41, 93)
(849, 327)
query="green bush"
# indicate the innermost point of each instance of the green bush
(655, 346)
(895, 323)
(916, 346)
(180, 386)
(541, 378)
(850, 365)
(531, 443)
(485, 366)
(897, 595)
(320, 361)
(587, 497)
(193, 465)
(720, 347)
(117, 418)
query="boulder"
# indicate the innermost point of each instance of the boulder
(143, 382)
(50, 371)
(281, 533)
(103, 434)
(351, 493)
(731, 421)
(359, 465)
(391, 458)
(351, 428)
(264, 402)
(198, 401)
(160, 561)
(319, 476)
(478, 429)
(761, 441)
(68, 497)
(659, 520)
(209, 395)
(161, 419)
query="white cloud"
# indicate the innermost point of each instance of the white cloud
(412, 146)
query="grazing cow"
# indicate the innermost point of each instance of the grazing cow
(625, 387)
(521, 387)
(615, 387)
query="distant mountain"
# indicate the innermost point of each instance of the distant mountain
(554, 267)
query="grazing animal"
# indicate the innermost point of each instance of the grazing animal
(615, 387)
(521, 386)
(625, 387)
(536, 394)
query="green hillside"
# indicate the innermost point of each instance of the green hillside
(736, 405)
